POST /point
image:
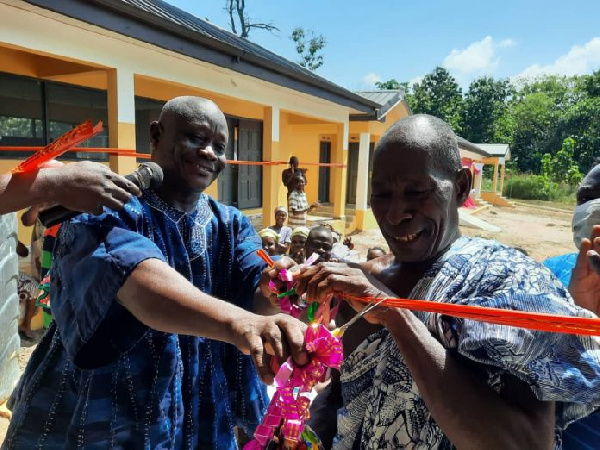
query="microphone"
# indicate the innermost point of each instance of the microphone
(147, 175)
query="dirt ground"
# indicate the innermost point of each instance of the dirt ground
(541, 233)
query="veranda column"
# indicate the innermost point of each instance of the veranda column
(121, 118)
(272, 184)
(362, 181)
(339, 176)
(495, 179)
(502, 170)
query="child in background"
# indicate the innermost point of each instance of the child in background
(269, 241)
(298, 204)
(299, 235)
(285, 233)
(375, 252)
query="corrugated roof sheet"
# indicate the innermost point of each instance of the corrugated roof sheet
(495, 149)
(182, 18)
(386, 98)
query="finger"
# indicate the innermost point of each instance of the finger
(52, 164)
(293, 333)
(120, 194)
(273, 343)
(581, 265)
(594, 261)
(595, 232)
(256, 351)
(126, 185)
(304, 277)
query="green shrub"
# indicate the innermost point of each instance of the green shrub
(537, 187)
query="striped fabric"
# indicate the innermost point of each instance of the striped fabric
(297, 209)
(383, 407)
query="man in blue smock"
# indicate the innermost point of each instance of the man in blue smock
(153, 343)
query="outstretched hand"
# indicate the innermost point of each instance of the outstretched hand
(585, 279)
(279, 336)
(87, 187)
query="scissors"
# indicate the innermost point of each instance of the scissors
(339, 332)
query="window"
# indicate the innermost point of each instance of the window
(35, 112)
(21, 114)
(146, 112)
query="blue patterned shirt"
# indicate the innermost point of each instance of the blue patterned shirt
(382, 404)
(102, 379)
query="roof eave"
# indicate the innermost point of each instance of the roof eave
(87, 12)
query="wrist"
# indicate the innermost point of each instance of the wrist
(44, 187)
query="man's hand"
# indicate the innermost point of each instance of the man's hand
(271, 274)
(585, 279)
(322, 280)
(279, 336)
(87, 187)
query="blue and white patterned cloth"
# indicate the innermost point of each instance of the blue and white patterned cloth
(100, 378)
(382, 405)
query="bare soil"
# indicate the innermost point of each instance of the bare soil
(540, 232)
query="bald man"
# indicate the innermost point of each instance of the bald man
(154, 343)
(425, 380)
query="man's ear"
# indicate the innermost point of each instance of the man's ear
(156, 131)
(464, 180)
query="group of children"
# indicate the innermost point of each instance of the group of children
(301, 242)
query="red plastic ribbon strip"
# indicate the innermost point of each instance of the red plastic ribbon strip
(529, 320)
(64, 143)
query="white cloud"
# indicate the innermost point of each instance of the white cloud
(371, 79)
(580, 59)
(478, 58)
(415, 80)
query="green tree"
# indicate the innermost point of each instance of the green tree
(391, 85)
(240, 22)
(484, 104)
(439, 94)
(310, 48)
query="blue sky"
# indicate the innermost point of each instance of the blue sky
(379, 40)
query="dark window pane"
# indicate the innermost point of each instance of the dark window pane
(146, 111)
(69, 106)
(21, 114)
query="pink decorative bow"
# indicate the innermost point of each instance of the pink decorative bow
(289, 405)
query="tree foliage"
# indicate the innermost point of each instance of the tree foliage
(439, 94)
(310, 48)
(240, 22)
(548, 121)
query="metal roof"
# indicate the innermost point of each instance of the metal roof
(475, 148)
(495, 149)
(164, 25)
(386, 98)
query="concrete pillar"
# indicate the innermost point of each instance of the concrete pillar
(502, 170)
(9, 308)
(478, 178)
(272, 185)
(121, 118)
(338, 176)
(495, 179)
(362, 182)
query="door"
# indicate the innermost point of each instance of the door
(228, 177)
(352, 173)
(249, 186)
(324, 172)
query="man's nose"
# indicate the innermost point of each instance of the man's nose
(208, 152)
(398, 211)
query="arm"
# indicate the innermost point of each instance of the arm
(162, 299)
(468, 411)
(82, 186)
(513, 419)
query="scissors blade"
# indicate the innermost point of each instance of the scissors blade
(340, 331)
